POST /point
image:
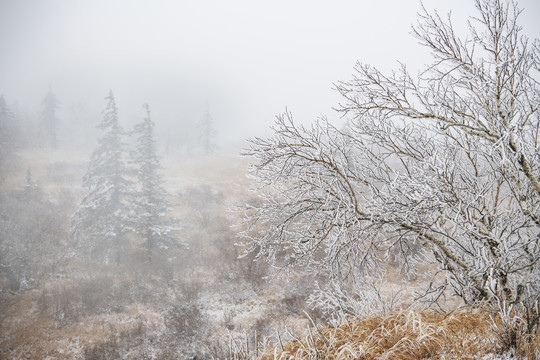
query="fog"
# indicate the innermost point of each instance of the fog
(246, 59)
(113, 246)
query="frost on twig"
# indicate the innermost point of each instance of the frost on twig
(439, 168)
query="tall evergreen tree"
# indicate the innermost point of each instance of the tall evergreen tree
(102, 220)
(151, 220)
(49, 121)
(5, 133)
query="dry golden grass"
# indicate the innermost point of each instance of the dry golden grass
(462, 334)
(35, 336)
(223, 173)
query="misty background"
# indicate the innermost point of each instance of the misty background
(247, 60)
(173, 278)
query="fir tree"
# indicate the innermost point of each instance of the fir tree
(30, 187)
(6, 139)
(102, 220)
(151, 220)
(49, 121)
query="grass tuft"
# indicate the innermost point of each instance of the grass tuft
(462, 334)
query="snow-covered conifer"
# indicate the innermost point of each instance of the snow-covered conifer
(151, 220)
(103, 217)
(49, 121)
(5, 136)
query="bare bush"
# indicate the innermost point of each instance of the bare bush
(68, 302)
(104, 350)
(200, 200)
(33, 238)
(185, 319)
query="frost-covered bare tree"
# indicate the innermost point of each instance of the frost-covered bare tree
(104, 215)
(151, 205)
(443, 167)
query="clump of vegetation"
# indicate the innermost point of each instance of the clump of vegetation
(463, 334)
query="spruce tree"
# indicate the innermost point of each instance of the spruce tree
(49, 121)
(6, 139)
(151, 220)
(103, 218)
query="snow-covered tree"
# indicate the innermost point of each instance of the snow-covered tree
(49, 120)
(151, 206)
(6, 135)
(103, 218)
(440, 168)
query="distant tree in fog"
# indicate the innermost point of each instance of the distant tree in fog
(151, 220)
(49, 120)
(102, 220)
(5, 134)
(30, 185)
(207, 133)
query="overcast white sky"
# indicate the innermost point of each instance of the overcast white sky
(248, 59)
